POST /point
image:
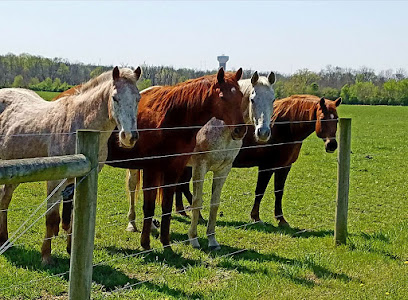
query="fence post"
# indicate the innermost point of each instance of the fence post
(343, 179)
(83, 231)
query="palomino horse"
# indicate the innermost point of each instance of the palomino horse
(295, 118)
(47, 129)
(163, 153)
(216, 150)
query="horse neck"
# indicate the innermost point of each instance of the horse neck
(302, 124)
(245, 86)
(91, 110)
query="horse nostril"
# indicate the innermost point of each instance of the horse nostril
(122, 135)
(135, 135)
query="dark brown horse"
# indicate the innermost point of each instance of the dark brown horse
(294, 119)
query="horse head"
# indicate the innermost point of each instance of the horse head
(123, 104)
(326, 122)
(261, 99)
(226, 104)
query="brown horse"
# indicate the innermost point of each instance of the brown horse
(294, 119)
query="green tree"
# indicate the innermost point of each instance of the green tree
(18, 81)
(144, 84)
(96, 72)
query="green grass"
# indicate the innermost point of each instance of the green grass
(277, 263)
(47, 95)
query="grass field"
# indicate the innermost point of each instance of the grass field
(47, 95)
(274, 263)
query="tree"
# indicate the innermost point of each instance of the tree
(18, 81)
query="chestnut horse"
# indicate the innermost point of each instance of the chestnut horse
(294, 119)
(33, 127)
(163, 153)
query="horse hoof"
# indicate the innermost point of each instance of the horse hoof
(258, 221)
(283, 224)
(181, 211)
(214, 248)
(145, 246)
(47, 261)
(65, 226)
(194, 242)
(131, 228)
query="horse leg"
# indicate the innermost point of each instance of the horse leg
(150, 183)
(185, 188)
(132, 180)
(218, 183)
(280, 179)
(263, 179)
(67, 206)
(6, 192)
(52, 220)
(183, 184)
(169, 178)
(199, 172)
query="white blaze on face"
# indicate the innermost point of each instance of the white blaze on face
(331, 116)
(125, 111)
(261, 108)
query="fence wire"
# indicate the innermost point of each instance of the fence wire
(16, 235)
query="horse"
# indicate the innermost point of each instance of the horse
(164, 148)
(294, 119)
(48, 129)
(215, 151)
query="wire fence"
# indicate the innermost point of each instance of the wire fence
(21, 231)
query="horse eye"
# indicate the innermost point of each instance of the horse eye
(115, 99)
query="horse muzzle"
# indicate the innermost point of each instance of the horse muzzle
(128, 139)
(239, 132)
(262, 134)
(330, 145)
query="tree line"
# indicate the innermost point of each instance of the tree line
(355, 86)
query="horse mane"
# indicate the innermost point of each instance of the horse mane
(125, 73)
(296, 107)
(188, 94)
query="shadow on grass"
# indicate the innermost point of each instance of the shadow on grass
(371, 243)
(171, 258)
(267, 228)
(288, 267)
(107, 276)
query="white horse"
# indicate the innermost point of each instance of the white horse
(33, 127)
(220, 150)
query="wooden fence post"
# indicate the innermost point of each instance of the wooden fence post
(343, 179)
(83, 233)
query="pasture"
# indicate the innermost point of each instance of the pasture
(259, 261)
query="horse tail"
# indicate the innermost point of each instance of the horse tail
(159, 195)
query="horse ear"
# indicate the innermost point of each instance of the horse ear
(220, 75)
(271, 78)
(322, 103)
(115, 73)
(254, 78)
(238, 75)
(337, 101)
(138, 72)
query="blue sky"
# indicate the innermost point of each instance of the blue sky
(279, 36)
